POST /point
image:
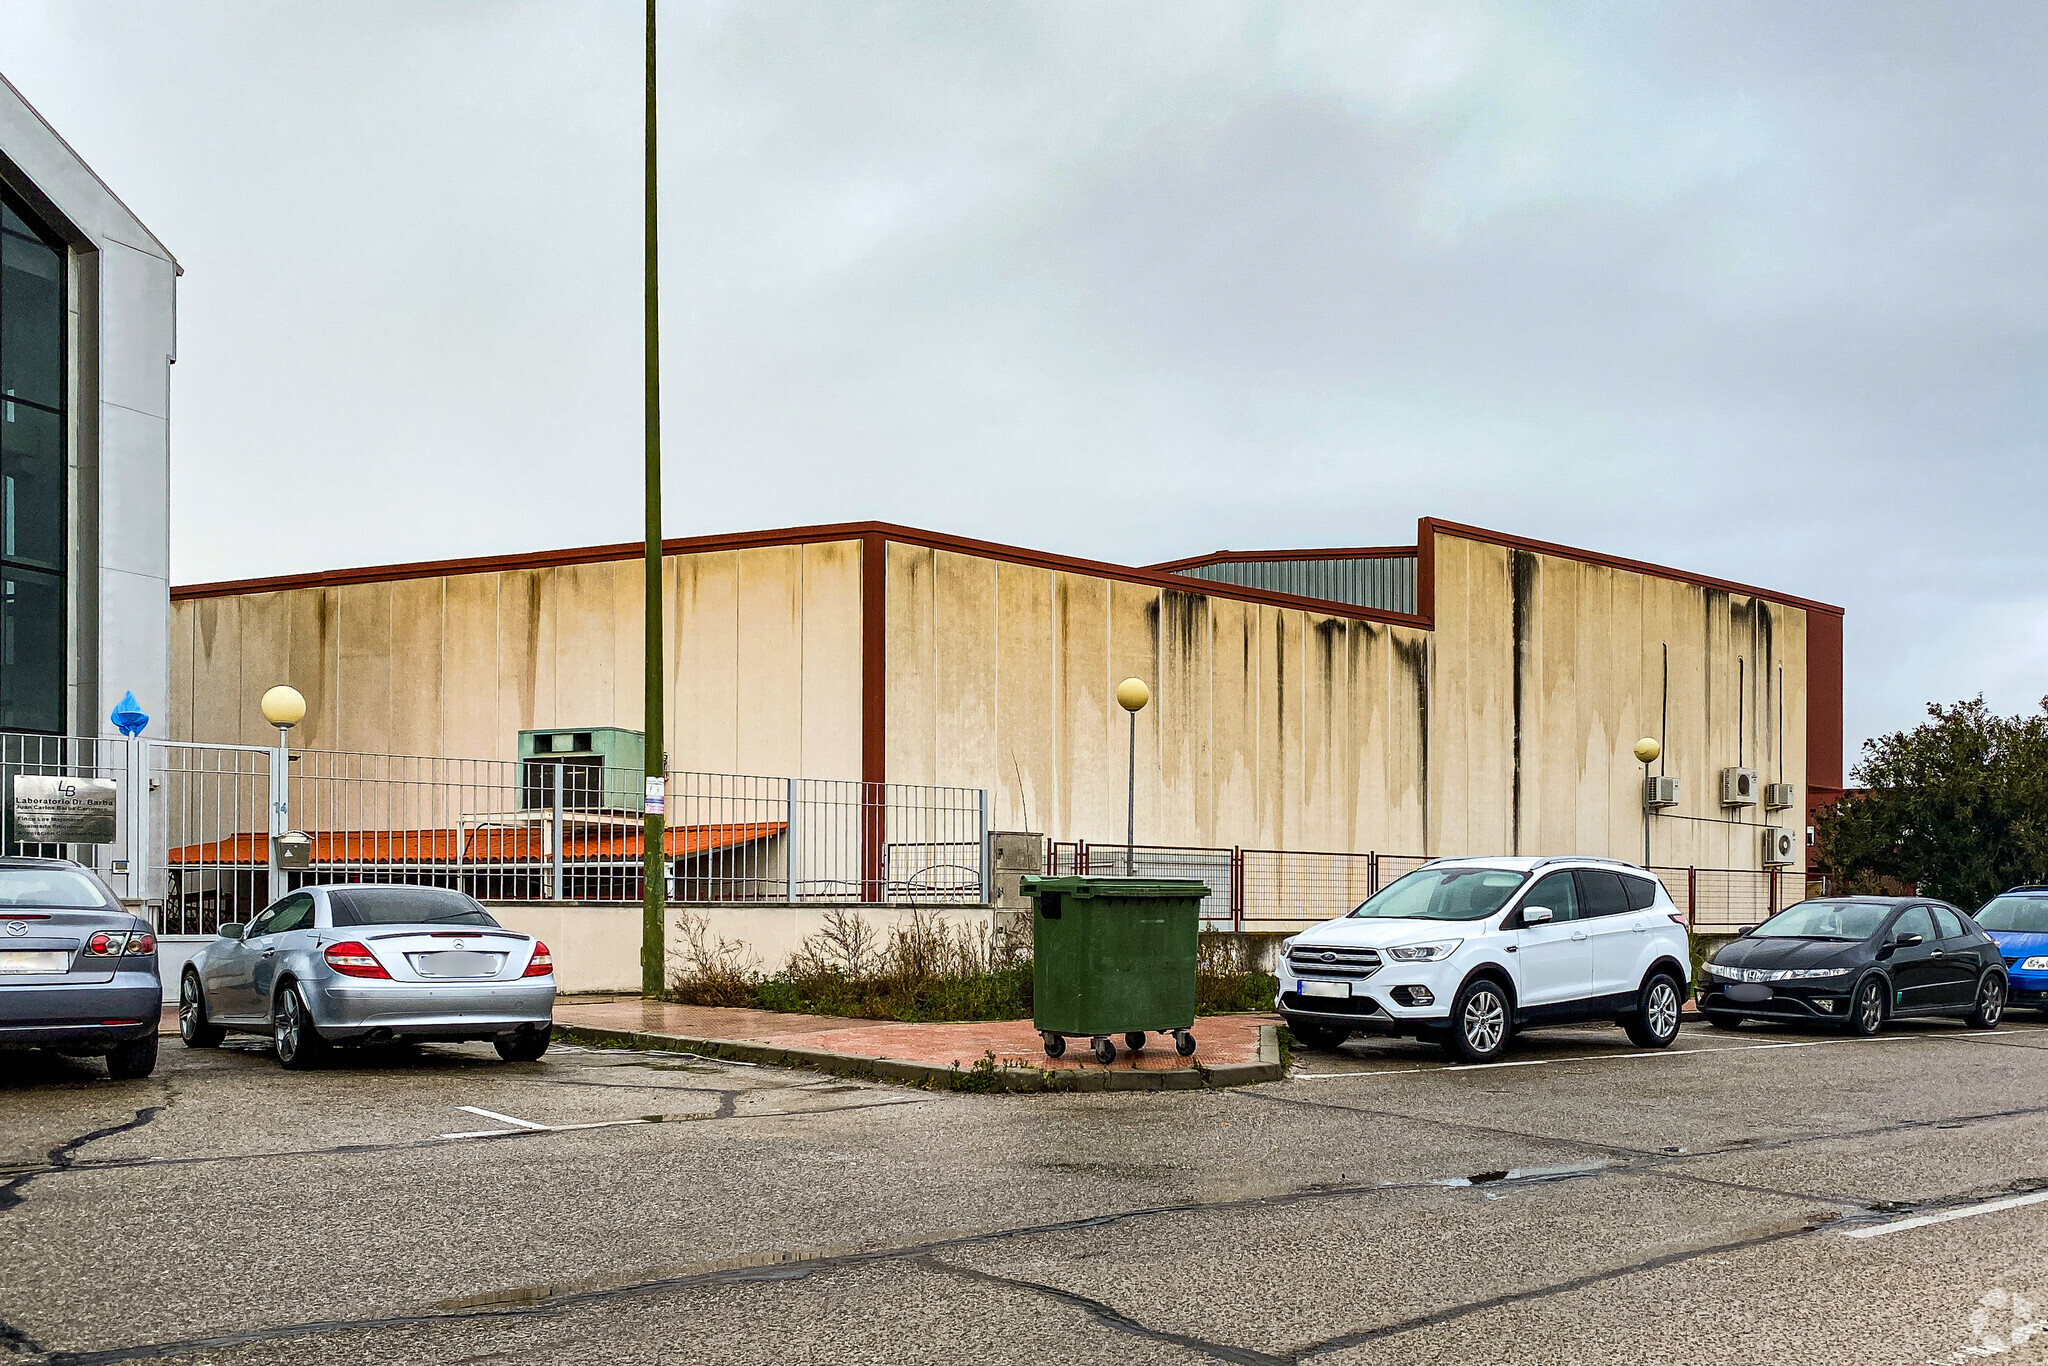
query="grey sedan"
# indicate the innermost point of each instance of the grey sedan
(358, 964)
(77, 973)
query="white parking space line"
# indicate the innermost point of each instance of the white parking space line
(1965, 1212)
(1653, 1053)
(527, 1126)
(502, 1119)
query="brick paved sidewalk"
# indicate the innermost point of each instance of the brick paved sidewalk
(1233, 1049)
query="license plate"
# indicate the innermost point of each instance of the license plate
(21, 960)
(1749, 991)
(458, 964)
(1326, 988)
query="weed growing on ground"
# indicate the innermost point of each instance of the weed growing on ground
(926, 967)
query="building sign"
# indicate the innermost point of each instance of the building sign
(63, 810)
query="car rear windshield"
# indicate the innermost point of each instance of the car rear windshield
(405, 906)
(1443, 894)
(50, 888)
(2021, 914)
(1825, 920)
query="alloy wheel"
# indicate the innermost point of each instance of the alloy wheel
(288, 1025)
(188, 1009)
(1869, 1007)
(1663, 1010)
(1991, 1001)
(1485, 1021)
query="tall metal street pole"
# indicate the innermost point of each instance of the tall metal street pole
(654, 851)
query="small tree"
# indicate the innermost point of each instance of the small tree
(1957, 806)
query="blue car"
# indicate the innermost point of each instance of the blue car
(77, 973)
(2018, 923)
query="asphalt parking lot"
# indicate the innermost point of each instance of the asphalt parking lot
(1761, 1196)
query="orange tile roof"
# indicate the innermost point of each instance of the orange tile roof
(490, 845)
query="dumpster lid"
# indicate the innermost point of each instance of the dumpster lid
(1092, 885)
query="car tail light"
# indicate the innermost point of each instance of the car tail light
(141, 944)
(1677, 918)
(104, 945)
(542, 964)
(351, 959)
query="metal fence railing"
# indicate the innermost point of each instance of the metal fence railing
(1289, 889)
(196, 825)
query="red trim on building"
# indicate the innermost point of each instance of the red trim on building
(874, 659)
(1823, 703)
(1513, 542)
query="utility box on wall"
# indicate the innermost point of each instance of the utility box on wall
(600, 768)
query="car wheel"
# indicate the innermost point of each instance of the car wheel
(1654, 1023)
(525, 1046)
(298, 1043)
(1866, 1011)
(1318, 1037)
(1990, 1002)
(1480, 1022)
(132, 1061)
(194, 1029)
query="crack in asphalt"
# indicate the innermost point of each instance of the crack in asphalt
(20, 1175)
(1592, 1278)
(13, 1340)
(1658, 1162)
(60, 1157)
(1109, 1317)
(541, 1301)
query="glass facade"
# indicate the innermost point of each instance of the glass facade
(33, 522)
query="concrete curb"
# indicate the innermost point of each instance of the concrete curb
(978, 1076)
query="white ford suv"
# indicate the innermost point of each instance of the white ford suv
(1465, 951)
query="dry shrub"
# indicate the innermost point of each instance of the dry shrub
(714, 971)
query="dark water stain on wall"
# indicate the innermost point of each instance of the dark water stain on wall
(1414, 654)
(1524, 571)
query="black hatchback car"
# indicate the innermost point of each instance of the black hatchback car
(1857, 962)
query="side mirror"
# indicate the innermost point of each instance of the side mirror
(233, 931)
(1537, 915)
(1746, 929)
(1907, 941)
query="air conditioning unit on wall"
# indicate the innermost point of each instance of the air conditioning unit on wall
(1781, 846)
(1738, 787)
(1777, 796)
(1660, 791)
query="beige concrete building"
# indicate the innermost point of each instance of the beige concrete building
(1474, 692)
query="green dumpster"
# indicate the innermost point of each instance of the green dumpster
(1114, 955)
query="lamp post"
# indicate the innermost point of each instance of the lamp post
(1647, 751)
(1132, 695)
(283, 707)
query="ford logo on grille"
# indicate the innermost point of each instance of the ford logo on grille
(17, 927)
(1329, 958)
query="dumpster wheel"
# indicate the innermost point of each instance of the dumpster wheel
(1055, 1045)
(1105, 1051)
(1135, 1040)
(1184, 1042)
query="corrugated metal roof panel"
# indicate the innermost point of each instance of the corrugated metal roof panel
(1384, 582)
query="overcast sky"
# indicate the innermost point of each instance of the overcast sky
(1753, 290)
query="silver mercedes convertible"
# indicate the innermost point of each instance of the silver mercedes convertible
(357, 964)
